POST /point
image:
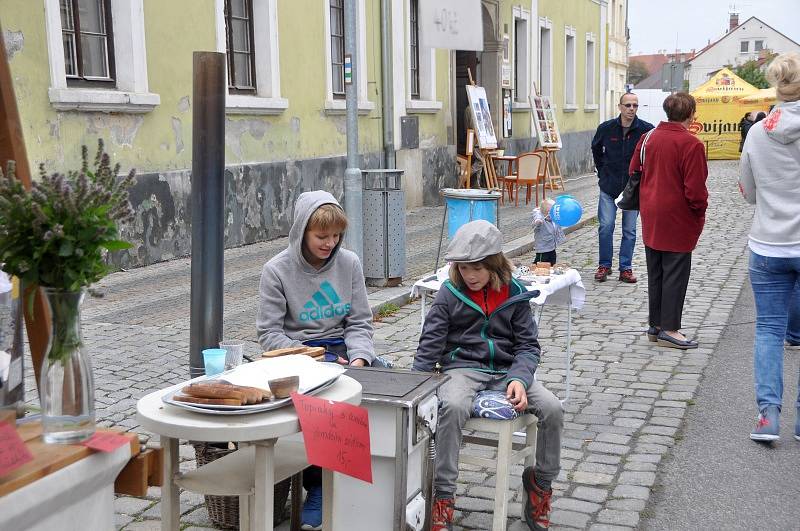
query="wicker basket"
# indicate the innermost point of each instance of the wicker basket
(224, 510)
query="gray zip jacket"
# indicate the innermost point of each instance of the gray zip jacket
(299, 302)
(458, 334)
(770, 176)
(546, 234)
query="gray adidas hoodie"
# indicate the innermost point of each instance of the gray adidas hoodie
(299, 302)
(770, 176)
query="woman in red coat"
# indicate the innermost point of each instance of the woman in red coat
(672, 202)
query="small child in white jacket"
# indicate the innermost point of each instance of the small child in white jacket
(546, 234)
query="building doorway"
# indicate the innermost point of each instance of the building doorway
(485, 68)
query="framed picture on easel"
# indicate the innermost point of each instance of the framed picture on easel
(544, 118)
(481, 117)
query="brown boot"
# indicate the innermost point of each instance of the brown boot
(602, 273)
(627, 276)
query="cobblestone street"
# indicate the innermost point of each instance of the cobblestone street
(628, 397)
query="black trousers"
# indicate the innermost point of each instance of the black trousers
(549, 256)
(667, 279)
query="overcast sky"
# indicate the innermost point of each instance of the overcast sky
(657, 24)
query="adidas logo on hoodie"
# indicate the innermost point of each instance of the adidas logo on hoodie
(324, 304)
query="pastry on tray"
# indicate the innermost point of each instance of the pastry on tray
(318, 353)
(221, 393)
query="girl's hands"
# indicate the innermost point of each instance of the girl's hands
(517, 395)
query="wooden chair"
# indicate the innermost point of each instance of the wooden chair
(508, 453)
(464, 170)
(530, 171)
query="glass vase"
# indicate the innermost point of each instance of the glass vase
(66, 387)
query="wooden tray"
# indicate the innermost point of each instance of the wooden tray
(47, 458)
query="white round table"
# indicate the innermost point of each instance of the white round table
(260, 429)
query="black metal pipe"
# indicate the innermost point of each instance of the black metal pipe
(208, 206)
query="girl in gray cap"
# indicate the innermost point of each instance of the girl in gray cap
(480, 331)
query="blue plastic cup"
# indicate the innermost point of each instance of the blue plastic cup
(214, 360)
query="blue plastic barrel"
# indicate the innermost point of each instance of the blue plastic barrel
(464, 205)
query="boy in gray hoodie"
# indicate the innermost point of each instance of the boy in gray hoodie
(313, 293)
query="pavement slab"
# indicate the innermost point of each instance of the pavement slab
(629, 397)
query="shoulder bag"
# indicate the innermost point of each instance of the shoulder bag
(629, 198)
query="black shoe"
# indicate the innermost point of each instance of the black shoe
(668, 341)
(652, 334)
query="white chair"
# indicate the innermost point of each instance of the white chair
(508, 453)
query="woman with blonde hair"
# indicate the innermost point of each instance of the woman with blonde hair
(770, 179)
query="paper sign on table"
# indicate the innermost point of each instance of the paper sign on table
(336, 435)
(106, 441)
(13, 452)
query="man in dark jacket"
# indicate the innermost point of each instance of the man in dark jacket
(612, 148)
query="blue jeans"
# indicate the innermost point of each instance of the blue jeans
(775, 288)
(607, 215)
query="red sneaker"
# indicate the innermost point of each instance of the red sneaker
(442, 514)
(627, 276)
(602, 273)
(537, 502)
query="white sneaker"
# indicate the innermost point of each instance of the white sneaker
(787, 345)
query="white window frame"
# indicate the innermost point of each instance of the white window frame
(546, 24)
(747, 42)
(521, 100)
(755, 45)
(570, 60)
(267, 98)
(131, 93)
(339, 106)
(427, 102)
(591, 72)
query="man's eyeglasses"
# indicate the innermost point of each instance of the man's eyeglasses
(630, 105)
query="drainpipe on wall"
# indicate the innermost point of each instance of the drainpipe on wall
(353, 190)
(387, 93)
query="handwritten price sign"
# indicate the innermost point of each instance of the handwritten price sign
(13, 452)
(106, 441)
(336, 435)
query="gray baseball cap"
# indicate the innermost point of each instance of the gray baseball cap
(474, 241)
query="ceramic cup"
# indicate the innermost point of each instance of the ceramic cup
(235, 353)
(214, 360)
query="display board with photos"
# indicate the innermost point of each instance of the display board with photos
(544, 116)
(481, 117)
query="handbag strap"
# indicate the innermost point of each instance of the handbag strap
(641, 152)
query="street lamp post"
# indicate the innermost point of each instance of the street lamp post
(354, 237)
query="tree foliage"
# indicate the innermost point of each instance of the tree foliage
(751, 72)
(637, 71)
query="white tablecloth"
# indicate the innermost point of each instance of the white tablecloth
(561, 290)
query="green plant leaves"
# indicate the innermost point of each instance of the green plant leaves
(58, 233)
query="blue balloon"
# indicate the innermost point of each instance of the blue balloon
(566, 211)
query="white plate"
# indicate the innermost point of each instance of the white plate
(314, 376)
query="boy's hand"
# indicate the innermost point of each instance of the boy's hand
(358, 362)
(516, 394)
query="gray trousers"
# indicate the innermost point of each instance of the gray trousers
(455, 407)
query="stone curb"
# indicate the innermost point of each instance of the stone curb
(401, 295)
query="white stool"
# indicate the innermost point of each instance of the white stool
(508, 453)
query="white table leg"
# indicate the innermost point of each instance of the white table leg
(422, 310)
(265, 486)
(327, 499)
(569, 344)
(170, 503)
